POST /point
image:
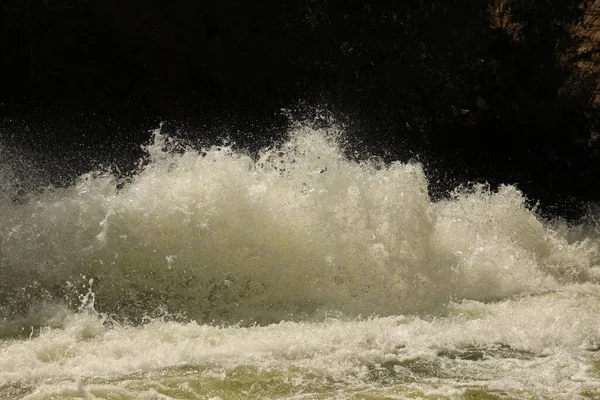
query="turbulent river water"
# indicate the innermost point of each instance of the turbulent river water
(295, 273)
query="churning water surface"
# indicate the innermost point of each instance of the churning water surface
(296, 273)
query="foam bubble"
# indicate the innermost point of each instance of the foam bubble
(531, 346)
(297, 232)
(475, 286)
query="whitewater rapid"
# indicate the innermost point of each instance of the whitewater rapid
(296, 266)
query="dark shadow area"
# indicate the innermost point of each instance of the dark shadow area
(478, 91)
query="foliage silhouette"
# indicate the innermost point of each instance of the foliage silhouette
(488, 90)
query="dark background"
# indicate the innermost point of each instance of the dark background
(501, 91)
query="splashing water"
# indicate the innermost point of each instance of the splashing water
(385, 292)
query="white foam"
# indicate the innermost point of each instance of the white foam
(549, 336)
(299, 234)
(218, 235)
